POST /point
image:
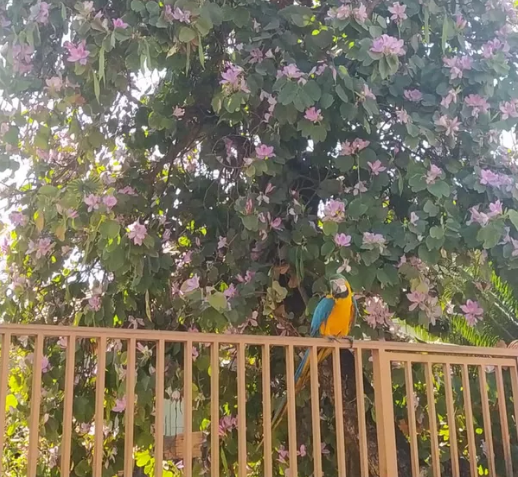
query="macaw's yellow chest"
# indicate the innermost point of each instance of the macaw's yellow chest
(339, 321)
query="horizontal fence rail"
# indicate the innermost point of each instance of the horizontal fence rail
(78, 401)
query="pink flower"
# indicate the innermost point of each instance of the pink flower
(77, 53)
(413, 218)
(63, 342)
(40, 12)
(178, 112)
(95, 303)
(232, 80)
(472, 311)
(264, 152)
(137, 232)
(360, 14)
(367, 92)
(230, 292)
(495, 209)
(276, 224)
(509, 109)
(54, 84)
(492, 46)
(282, 455)
(120, 23)
(359, 188)
(478, 103)
(460, 23)
(110, 202)
(314, 115)
(457, 65)
(222, 242)
(433, 173)
(291, 71)
(488, 177)
(42, 248)
(323, 449)
(190, 284)
(256, 56)
(478, 217)
(226, 425)
(402, 116)
(181, 15)
(416, 298)
(398, 12)
(451, 97)
(334, 211)
(377, 312)
(371, 241)
(360, 144)
(92, 201)
(45, 364)
(515, 247)
(120, 405)
(302, 451)
(376, 167)
(22, 58)
(388, 46)
(348, 148)
(451, 125)
(18, 219)
(127, 191)
(343, 240)
(413, 95)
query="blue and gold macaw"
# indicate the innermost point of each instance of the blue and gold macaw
(333, 317)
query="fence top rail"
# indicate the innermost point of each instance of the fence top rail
(253, 340)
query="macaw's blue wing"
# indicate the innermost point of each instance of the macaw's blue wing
(320, 315)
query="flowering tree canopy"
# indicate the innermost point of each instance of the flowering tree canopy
(206, 165)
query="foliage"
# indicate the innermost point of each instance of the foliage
(205, 165)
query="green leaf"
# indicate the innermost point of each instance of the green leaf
(97, 88)
(437, 232)
(356, 208)
(241, 16)
(138, 6)
(326, 100)
(186, 34)
(491, 234)
(513, 217)
(109, 229)
(439, 189)
(288, 93)
(48, 190)
(313, 90)
(153, 8)
(251, 222)
(327, 249)
(430, 208)
(342, 94)
(218, 301)
(330, 228)
(101, 64)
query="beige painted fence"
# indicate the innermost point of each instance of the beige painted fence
(383, 362)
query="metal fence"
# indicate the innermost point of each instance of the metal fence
(469, 397)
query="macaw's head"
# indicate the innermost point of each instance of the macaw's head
(340, 287)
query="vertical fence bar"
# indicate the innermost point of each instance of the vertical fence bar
(514, 382)
(384, 413)
(130, 407)
(4, 381)
(506, 439)
(472, 449)
(66, 442)
(187, 392)
(267, 413)
(486, 414)
(315, 412)
(159, 408)
(292, 415)
(34, 425)
(432, 416)
(99, 406)
(412, 427)
(241, 410)
(452, 425)
(339, 412)
(214, 409)
(362, 427)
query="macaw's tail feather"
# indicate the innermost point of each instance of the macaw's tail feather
(301, 378)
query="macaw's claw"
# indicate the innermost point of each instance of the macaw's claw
(348, 339)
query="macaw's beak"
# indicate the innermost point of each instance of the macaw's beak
(339, 288)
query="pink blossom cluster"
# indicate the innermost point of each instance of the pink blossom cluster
(426, 303)
(482, 218)
(376, 167)
(349, 148)
(40, 12)
(264, 152)
(18, 219)
(42, 247)
(402, 116)
(451, 97)
(509, 109)
(345, 12)
(183, 16)
(472, 311)
(22, 58)
(493, 179)
(388, 46)
(413, 95)
(226, 425)
(334, 211)
(457, 65)
(120, 24)
(398, 11)
(342, 240)
(477, 103)
(493, 46)
(232, 80)
(313, 115)
(256, 56)
(377, 312)
(77, 53)
(372, 240)
(433, 173)
(272, 102)
(137, 232)
(450, 125)
(290, 71)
